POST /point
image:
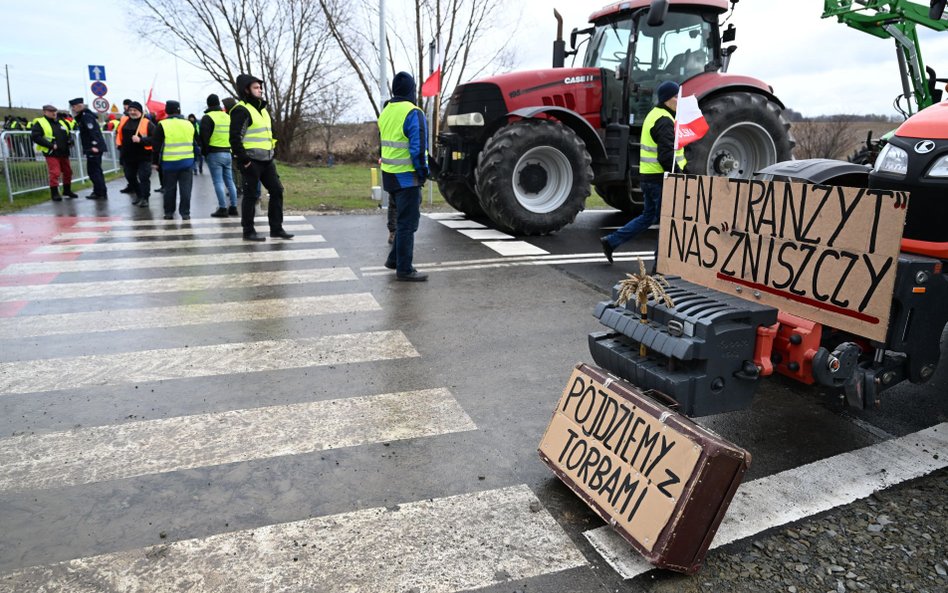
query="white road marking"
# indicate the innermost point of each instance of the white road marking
(445, 215)
(102, 453)
(461, 224)
(66, 290)
(216, 260)
(193, 231)
(27, 326)
(509, 262)
(484, 234)
(168, 244)
(35, 376)
(87, 224)
(440, 545)
(514, 248)
(803, 491)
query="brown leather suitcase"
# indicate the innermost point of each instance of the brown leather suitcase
(660, 480)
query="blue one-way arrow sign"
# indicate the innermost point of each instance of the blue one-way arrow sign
(96, 72)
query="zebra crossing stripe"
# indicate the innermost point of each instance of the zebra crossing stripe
(804, 491)
(184, 231)
(172, 261)
(35, 376)
(167, 244)
(102, 453)
(183, 224)
(28, 326)
(69, 290)
(440, 545)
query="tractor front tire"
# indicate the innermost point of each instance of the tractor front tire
(533, 177)
(461, 197)
(620, 198)
(746, 132)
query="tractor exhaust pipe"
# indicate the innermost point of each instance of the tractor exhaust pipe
(559, 46)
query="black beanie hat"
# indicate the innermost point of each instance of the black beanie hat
(213, 100)
(135, 105)
(172, 107)
(667, 90)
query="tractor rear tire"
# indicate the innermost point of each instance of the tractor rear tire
(619, 197)
(747, 132)
(461, 197)
(533, 177)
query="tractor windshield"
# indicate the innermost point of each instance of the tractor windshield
(609, 44)
(677, 50)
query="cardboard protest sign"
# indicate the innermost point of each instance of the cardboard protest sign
(825, 253)
(660, 480)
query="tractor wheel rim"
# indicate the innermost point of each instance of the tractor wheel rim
(555, 182)
(740, 150)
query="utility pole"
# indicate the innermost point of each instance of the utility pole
(6, 67)
(383, 57)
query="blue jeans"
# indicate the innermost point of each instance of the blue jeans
(219, 164)
(652, 193)
(407, 212)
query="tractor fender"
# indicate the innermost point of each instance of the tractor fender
(822, 172)
(571, 119)
(711, 84)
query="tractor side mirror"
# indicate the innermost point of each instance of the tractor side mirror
(657, 13)
(937, 9)
(729, 34)
(572, 38)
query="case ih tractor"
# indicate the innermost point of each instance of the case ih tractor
(524, 149)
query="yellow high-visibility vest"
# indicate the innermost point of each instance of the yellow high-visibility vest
(47, 133)
(220, 136)
(648, 153)
(258, 139)
(396, 158)
(179, 139)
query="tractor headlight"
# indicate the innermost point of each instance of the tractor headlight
(940, 168)
(892, 159)
(466, 119)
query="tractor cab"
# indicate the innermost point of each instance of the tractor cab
(646, 46)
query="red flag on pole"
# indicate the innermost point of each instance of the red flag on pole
(156, 107)
(432, 85)
(690, 125)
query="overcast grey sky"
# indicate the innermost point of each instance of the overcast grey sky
(815, 66)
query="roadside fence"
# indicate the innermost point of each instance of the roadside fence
(24, 168)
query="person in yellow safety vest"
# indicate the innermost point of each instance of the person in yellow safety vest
(52, 140)
(657, 156)
(214, 130)
(403, 132)
(133, 138)
(173, 148)
(252, 142)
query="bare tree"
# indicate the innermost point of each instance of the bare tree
(284, 42)
(469, 30)
(828, 139)
(334, 103)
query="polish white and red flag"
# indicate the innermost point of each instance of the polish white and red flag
(690, 124)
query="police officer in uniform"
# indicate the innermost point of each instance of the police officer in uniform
(252, 142)
(93, 146)
(52, 140)
(657, 156)
(403, 133)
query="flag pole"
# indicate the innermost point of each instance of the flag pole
(675, 160)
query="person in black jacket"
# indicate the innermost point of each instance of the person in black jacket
(54, 140)
(93, 146)
(136, 150)
(252, 142)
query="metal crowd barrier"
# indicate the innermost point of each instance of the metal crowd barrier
(24, 168)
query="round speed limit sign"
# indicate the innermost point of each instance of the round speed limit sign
(100, 104)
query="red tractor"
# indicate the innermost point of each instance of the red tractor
(524, 149)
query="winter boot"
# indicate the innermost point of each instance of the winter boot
(232, 211)
(54, 194)
(67, 191)
(219, 213)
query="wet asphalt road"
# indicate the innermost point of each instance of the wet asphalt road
(500, 334)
